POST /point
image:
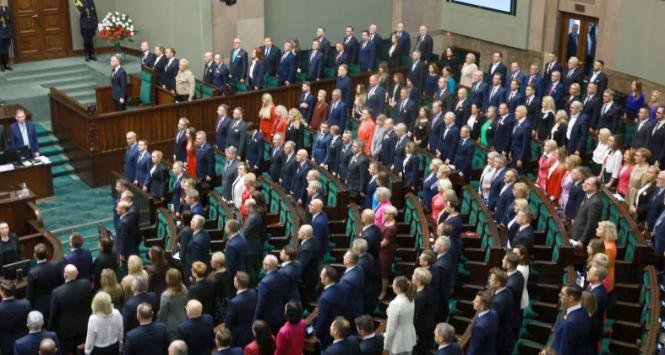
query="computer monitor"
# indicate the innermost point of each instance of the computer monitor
(17, 155)
(12, 271)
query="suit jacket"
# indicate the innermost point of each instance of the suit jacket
(88, 15)
(131, 155)
(170, 72)
(449, 142)
(495, 189)
(159, 182)
(229, 175)
(407, 112)
(556, 90)
(642, 135)
(351, 47)
(292, 272)
(657, 136)
(159, 66)
(535, 80)
(503, 132)
(13, 313)
(257, 78)
(597, 320)
(299, 186)
(410, 171)
(341, 58)
(462, 110)
(524, 237)
(119, 84)
(177, 191)
(236, 253)
(254, 150)
(180, 146)
(591, 107)
(548, 69)
(82, 259)
(447, 99)
(42, 280)
(271, 60)
(500, 69)
(321, 147)
(240, 316)
(197, 334)
(230, 351)
(417, 73)
(29, 344)
(519, 76)
(310, 100)
(343, 347)
(315, 68)
(16, 138)
(533, 109)
(205, 162)
(198, 249)
(337, 114)
(356, 179)
(203, 291)
(578, 135)
(288, 171)
(387, 153)
(505, 199)
(372, 346)
(309, 255)
(273, 293)
(331, 304)
(442, 284)
(572, 76)
(70, 308)
(220, 77)
(238, 65)
(520, 144)
(288, 65)
(572, 333)
(515, 284)
(135, 341)
(483, 334)
(478, 92)
(451, 349)
(513, 101)
(655, 207)
(353, 282)
(129, 309)
(502, 304)
(208, 70)
(376, 101)
(143, 166)
(587, 218)
(276, 162)
(129, 235)
(425, 44)
(600, 80)
(321, 232)
(367, 56)
(495, 100)
(464, 157)
(609, 119)
(255, 233)
(343, 160)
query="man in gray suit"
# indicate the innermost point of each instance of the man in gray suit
(643, 130)
(230, 172)
(588, 215)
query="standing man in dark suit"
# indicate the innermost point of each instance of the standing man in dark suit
(513, 96)
(424, 44)
(135, 341)
(577, 131)
(6, 32)
(288, 170)
(444, 96)
(42, 280)
(129, 232)
(240, 312)
(496, 95)
(292, 270)
(505, 197)
(222, 125)
(331, 304)
(255, 145)
(220, 74)
(178, 173)
(205, 158)
(595, 277)
(197, 330)
(345, 85)
(316, 62)
(449, 140)
(417, 70)
(271, 55)
(514, 74)
(573, 41)
(306, 102)
(143, 166)
(376, 40)
(371, 343)
(388, 142)
(309, 257)
(320, 227)
(79, 257)
(236, 133)
(118, 84)
(198, 247)
(657, 137)
(208, 67)
(88, 24)
(372, 234)
(351, 44)
(442, 277)
(556, 89)
(550, 67)
(272, 294)
(376, 97)
(340, 329)
(464, 153)
(520, 143)
(341, 56)
(571, 335)
(147, 58)
(609, 113)
(573, 74)
(338, 108)
(588, 215)
(485, 326)
(399, 148)
(656, 202)
(502, 304)
(503, 128)
(444, 336)
(407, 110)
(353, 282)
(70, 309)
(643, 130)
(277, 157)
(592, 104)
(140, 295)
(170, 70)
(371, 281)
(254, 231)
(367, 53)
(298, 187)
(496, 67)
(22, 133)
(288, 66)
(356, 179)
(534, 78)
(532, 104)
(160, 65)
(403, 40)
(29, 344)
(321, 147)
(180, 148)
(515, 283)
(238, 61)
(324, 43)
(597, 76)
(236, 248)
(479, 90)
(13, 313)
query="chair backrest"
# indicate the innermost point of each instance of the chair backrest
(145, 94)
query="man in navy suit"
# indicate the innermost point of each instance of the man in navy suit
(353, 282)
(514, 74)
(357, 174)
(271, 56)
(286, 71)
(118, 84)
(403, 39)
(502, 304)
(577, 131)
(597, 76)
(309, 256)
(42, 280)
(13, 313)
(591, 105)
(238, 61)
(316, 62)
(524, 234)
(197, 330)
(371, 283)
(500, 162)
(464, 153)
(417, 70)
(208, 67)
(222, 126)
(273, 293)
(289, 166)
(148, 337)
(143, 165)
(444, 336)
(331, 304)
(320, 226)
(656, 202)
(345, 85)
(556, 89)
(449, 139)
(515, 282)
(236, 248)
(230, 172)
(140, 295)
(198, 247)
(205, 158)
(338, 109)
(170, 70)
(351, 44)
(178, 173)
(240, 312)
(485, 326)
(220, 75)
(406, 110)
(437, 121)
(23, 133)
(224, 343)
(277, 157)
(551, 66)
(388, 142)
(340, 329)
(306, 102)
(345, 155)
(371, 233)
(609, 113)
(571, 335)
(514, 97)
(533, 78)
(656, 137)
(324, 43)
(255, 146)
(573, 74)
(376, 97)
(371, 343)
(496, 67)
(298, 187)
(503, 129)
(292, 270)
(533, 105)
(496, 95)
(375, 38)
(479, 89)
(399, 148)
(424, 44)
(341, 56)
(29, 344)
(79, 257)
(367, 54)
(180, 147)
(445, 98)
(430, 187)
(129, 232)
(520, 143)
(442, 277)
(595, 277)
(505, 197)
(321, 146)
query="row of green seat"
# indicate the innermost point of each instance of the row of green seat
(280, 205)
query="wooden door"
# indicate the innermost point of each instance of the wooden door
(41, 29)
(585, 46)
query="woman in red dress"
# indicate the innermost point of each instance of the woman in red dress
(388, 247)
(279, 125)
(546, 161)
(190, 134)
(267, 117)
(250, 180)
(555, 174)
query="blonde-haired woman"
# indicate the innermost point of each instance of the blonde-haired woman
(279, 124)
(359, 100)
(388, 247)
(267, 117)
(556, 173)
(469, 67)
(560, 128)
(320, 113)
(105, 327)
(601, 150)
(295, 128)
(184, 82)
(574, 92)
(546, 119)
(655, 101)
(383, 195)
(172, 301)
(134, 269)
(546, 162)
(638, 175)
(109, 284)
(607, 232)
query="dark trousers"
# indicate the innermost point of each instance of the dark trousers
(181, 98)
(119, 106)
(113, 349)
(254, 268)
(4, 51)
(69, 344)
(88, 44)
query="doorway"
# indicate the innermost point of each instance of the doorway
(579, 38)
(41, 29)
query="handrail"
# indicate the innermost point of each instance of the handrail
(146, 204)
(565, 240)
(654, 323)
(297, 217)
(396, 187)
(53, 243)
(424, 225)
(173, 229)
(625, 214)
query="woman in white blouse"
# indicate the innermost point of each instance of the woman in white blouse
(469, 67)
(601, 151)
(239, 185)
(611, 163)
(400, 336)
(487, 176)
(105, 329)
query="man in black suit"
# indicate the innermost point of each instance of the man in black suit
(79, 257)
(344, 156)
(424, 44)
(515, 283)
(387, 153)
(149, 338)
(399, 147)
(170, 70)
(237, 133)
(291, 269)
(502, 304)
(370, 271)
(205, 159)
(375, 39)
(643, 130)
(306, 102)
(159, 65)
(442, 276)
(42, 280)
(532, 104)
(147, 57)
(208, 68)
(550, 67)
(496, 67)
(180, 148)
(657, 137)
(298, 190)
(273, 293)
(140, 295)
(254, 231)
(238, 61)
(220, 74)
(88, 22)
(479, 90)
(316, 62)
(444, 96)
(371, 343)
(323, 42)
(573, 74)
(309, 258)
(271, 56)
(118, 84)
(70, 309)
(417, 70)
(407, 109)
(371, 233)
(289, 166)
(277, 157)
(588, 214)
(609, 113)
(240, 312)
(351, 44)
(597, 76)
(340, 329)
(197, 330)
(357, 174)
(230, 172)
(201, 289)
(524, 235)
(129, 232)
(331, 304)
(13, 313)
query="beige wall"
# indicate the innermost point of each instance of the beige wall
(244, 20)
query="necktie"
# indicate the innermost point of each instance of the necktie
(24, 134)
(512, 94)
(528, 101)
(493, 92)
(605, 108)
(570, 73)
(267, 51)
(531, 79)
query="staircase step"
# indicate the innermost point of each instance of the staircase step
(59, 159)
(86, 99)
(70, 80)
(47, 140)
(42, 131)
(62, 170)
(85, 83)
(51, 150)
(81, 91)
(48, 75)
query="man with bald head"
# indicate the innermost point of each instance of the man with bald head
(48, 347)
(70, 309)
(198, 330)
(272, 294)
(520, 142)
(131, 155)
(135, 341)
(208, 67)
(298, 190)
(320, 225)
(424, 43)
(309, 257)
(147, 58)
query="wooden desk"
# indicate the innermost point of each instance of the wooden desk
(38, 178)
(16, 210)
(7, 113)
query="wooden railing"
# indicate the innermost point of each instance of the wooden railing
(297, 215)
(146, 204)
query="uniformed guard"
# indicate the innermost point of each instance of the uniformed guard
(88, 22)
(6, 31)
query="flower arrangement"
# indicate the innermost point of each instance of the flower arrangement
(116, 28)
